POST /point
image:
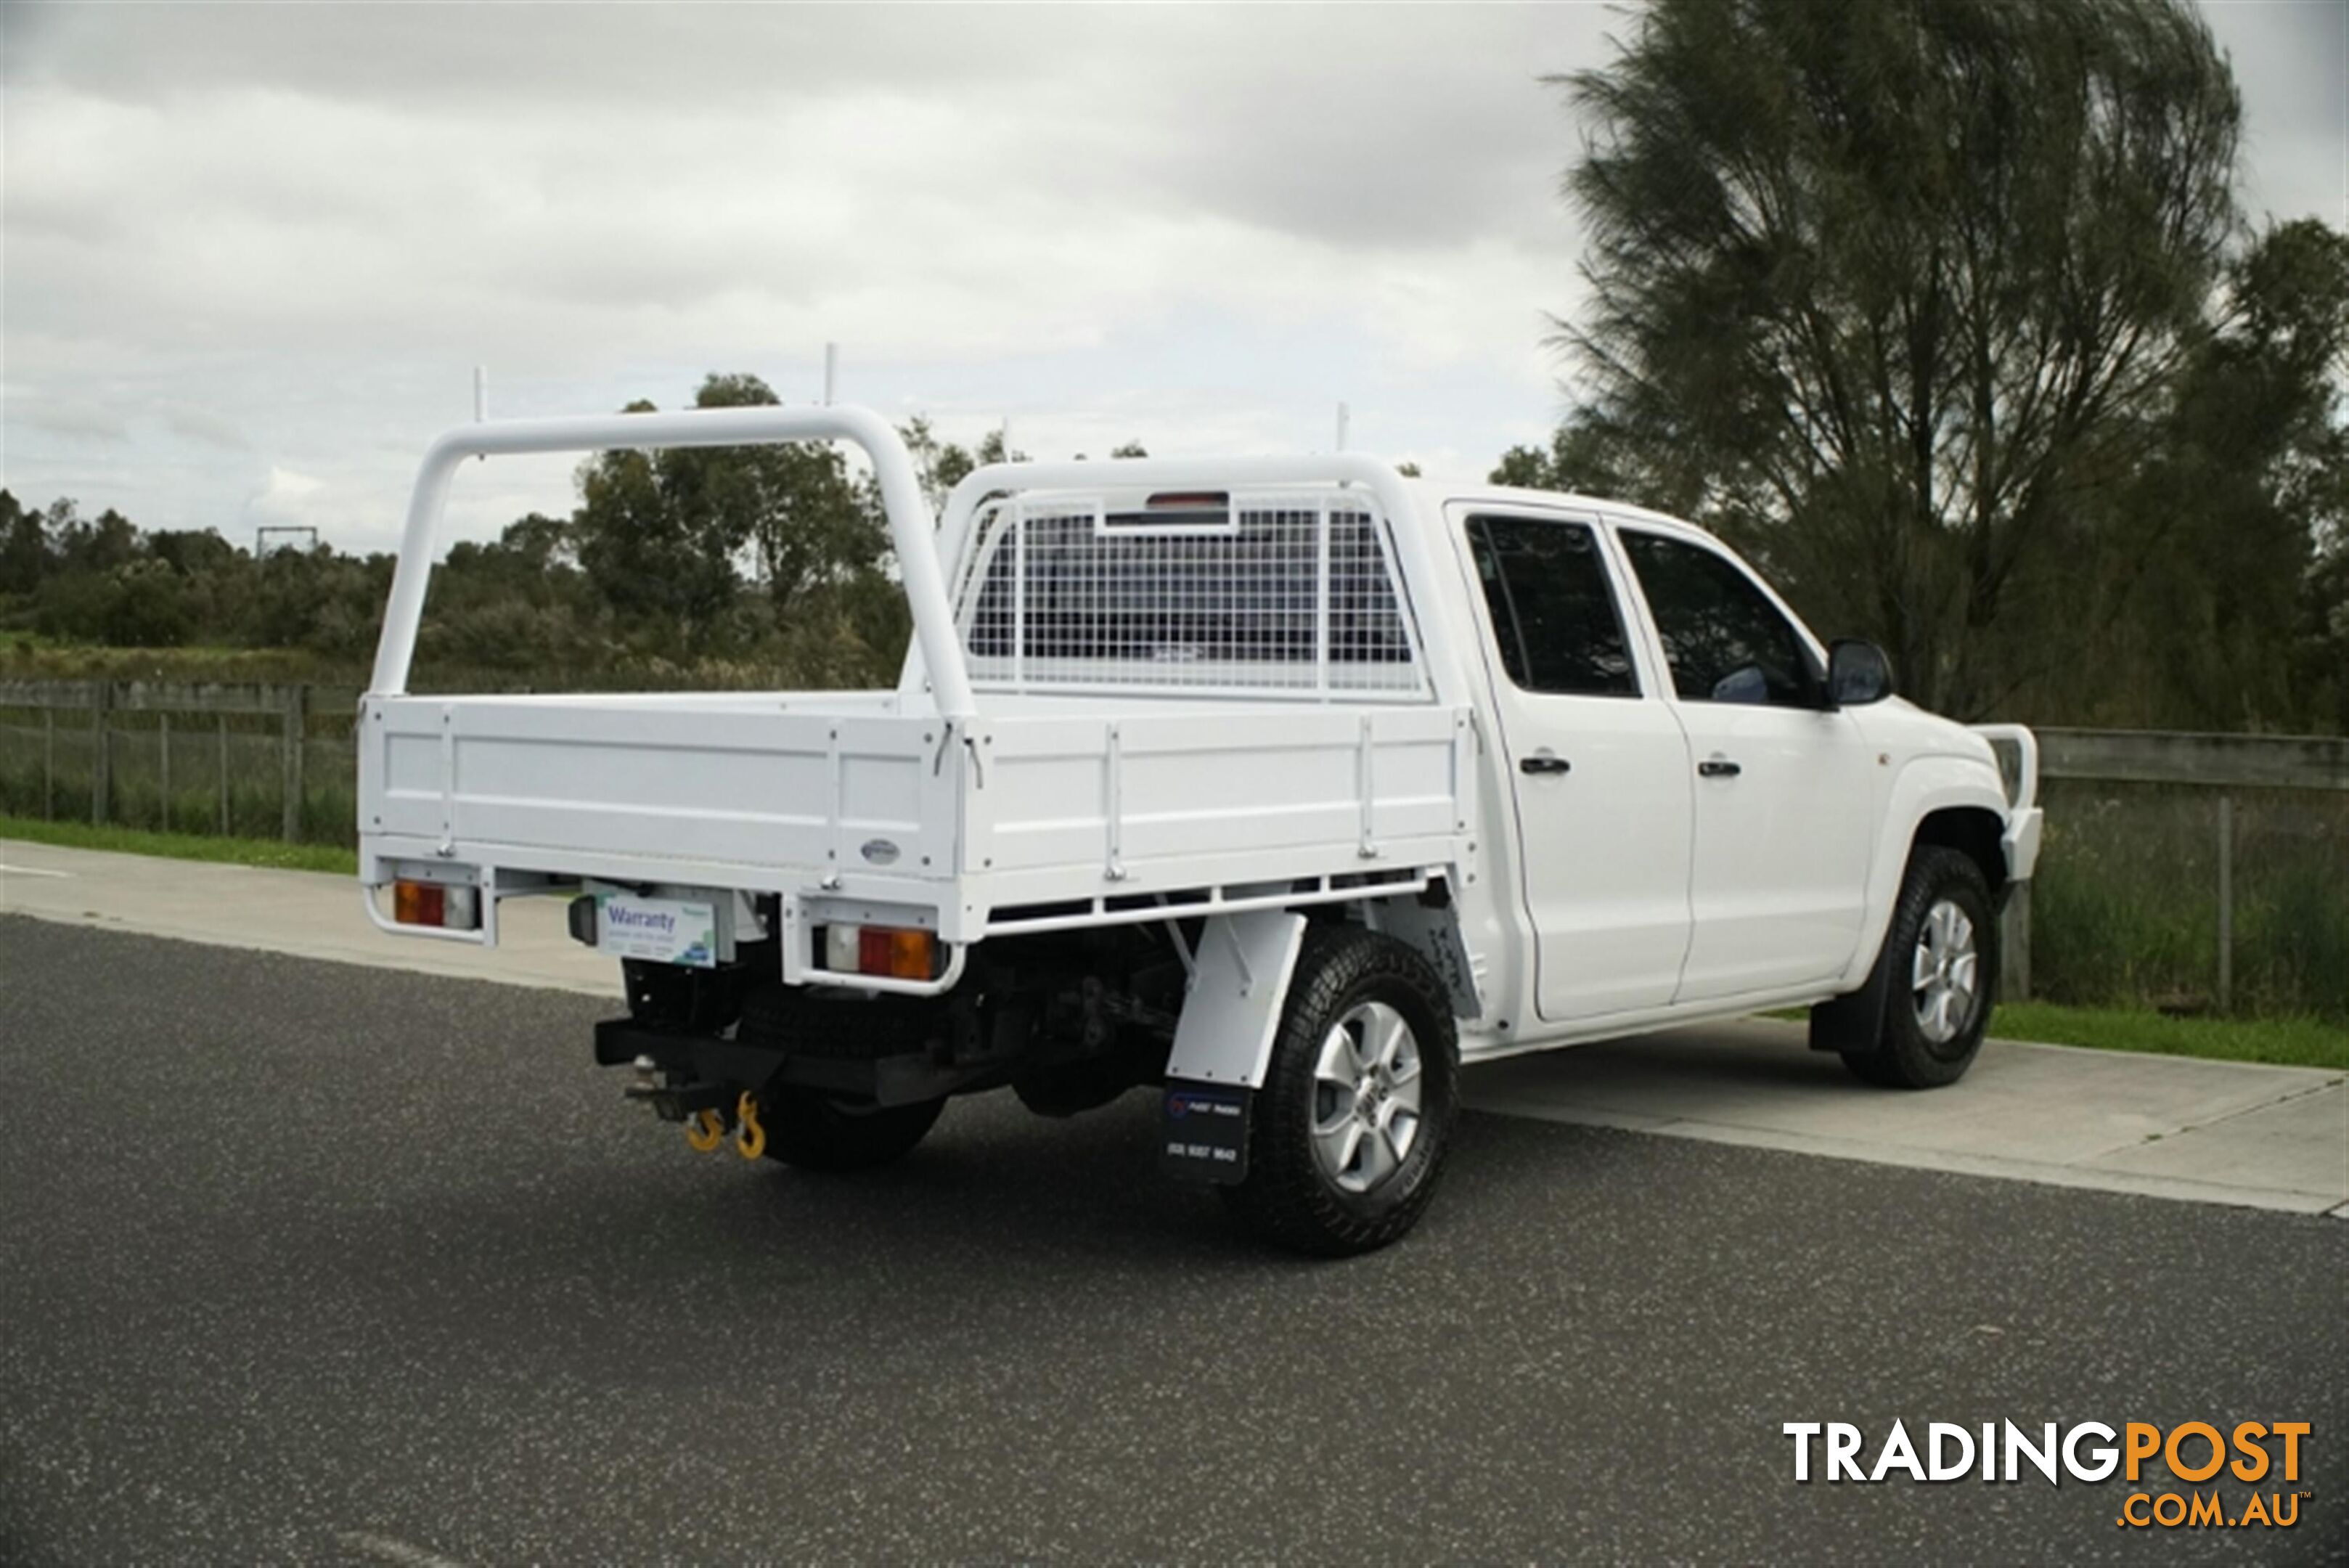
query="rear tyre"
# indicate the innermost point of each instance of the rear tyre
(816, 1132)
(1940, 969)
(1355, 1116)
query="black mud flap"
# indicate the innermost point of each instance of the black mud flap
(1207, 1131)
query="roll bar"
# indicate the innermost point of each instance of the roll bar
(910, 523)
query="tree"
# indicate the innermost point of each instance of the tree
(24, 547)
(992, 448)
(649, 540)
(192, 552)
(1892, 294)
(665, 537)
(1129, 449)
(1578, 461)
(2250, 474)
(660, 533)
(939, 466)
(82, 547)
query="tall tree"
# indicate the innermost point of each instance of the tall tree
(24, 547)
(650, 551)
(1887, 291)
(2244, 494)
(663, 534)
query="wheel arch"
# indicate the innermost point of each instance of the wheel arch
(1244, 963)
(1958, 802)
(1976, 832)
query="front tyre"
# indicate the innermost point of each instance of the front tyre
(1356, 1113)
(1941, 959)
(816, 1132)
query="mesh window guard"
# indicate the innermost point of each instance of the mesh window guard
(1284, 594)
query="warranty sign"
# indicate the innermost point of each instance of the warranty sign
(665, 931)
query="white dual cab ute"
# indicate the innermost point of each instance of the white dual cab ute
(1288, 785)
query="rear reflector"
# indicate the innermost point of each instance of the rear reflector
(890, 951)
(436, 904)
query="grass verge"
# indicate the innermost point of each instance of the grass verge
(2302, 1042)
(268, 852)
(2294, 1042)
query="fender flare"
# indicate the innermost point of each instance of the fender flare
(1924, 785)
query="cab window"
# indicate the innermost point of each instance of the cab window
(1724, 640)
(1554, 613)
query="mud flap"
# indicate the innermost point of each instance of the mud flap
(1206, 1135)
(1232, 1012)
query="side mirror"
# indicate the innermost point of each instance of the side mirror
(1857, 672)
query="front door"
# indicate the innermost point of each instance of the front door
(1600, 770)
(1785, 816)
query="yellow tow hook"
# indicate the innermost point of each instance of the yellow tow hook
(750, 1138)
(705, 1130)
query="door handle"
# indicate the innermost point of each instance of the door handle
(1718, 768)
(1544, 763)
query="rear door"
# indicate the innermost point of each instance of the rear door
(1784, 782)
(1599, 767)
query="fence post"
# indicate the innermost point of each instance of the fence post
(296, 712)
(2015, 945)
(48, 761)
(101, 697)
(224, 775)
(2226, 903)
(163, 761)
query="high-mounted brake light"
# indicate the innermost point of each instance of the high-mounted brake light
(891, 950)
(436, 904)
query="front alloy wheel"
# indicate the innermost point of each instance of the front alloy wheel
(1941, 952)
(1943, 974)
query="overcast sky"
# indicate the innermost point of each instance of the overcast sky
(252, 253)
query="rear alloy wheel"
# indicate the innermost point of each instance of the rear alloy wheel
(1940, 968)
(1366, 1097)
(1350, 1127)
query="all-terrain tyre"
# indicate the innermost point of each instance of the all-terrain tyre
(816, 1132)
(1937, 974)
(1351, 1127)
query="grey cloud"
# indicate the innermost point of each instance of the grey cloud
(298, 227)
(75, 419)
(2292, 61)
(203, 425)
(1408, 127)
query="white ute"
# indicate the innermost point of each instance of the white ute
(1285, 784)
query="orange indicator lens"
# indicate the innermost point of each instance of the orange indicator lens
(417, 903)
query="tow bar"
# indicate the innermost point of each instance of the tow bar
(703, 1108)
(706, 1128)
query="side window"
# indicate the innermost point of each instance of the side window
(1553, 611)
(1725, 641)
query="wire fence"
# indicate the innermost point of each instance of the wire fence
(2194, 873)
(2190, 872)
(257, 762)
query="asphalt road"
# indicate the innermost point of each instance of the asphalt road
(301, 1260)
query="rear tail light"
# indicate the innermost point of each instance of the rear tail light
(436, 904)
(891, 950)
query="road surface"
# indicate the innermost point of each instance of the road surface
(309, 1261)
